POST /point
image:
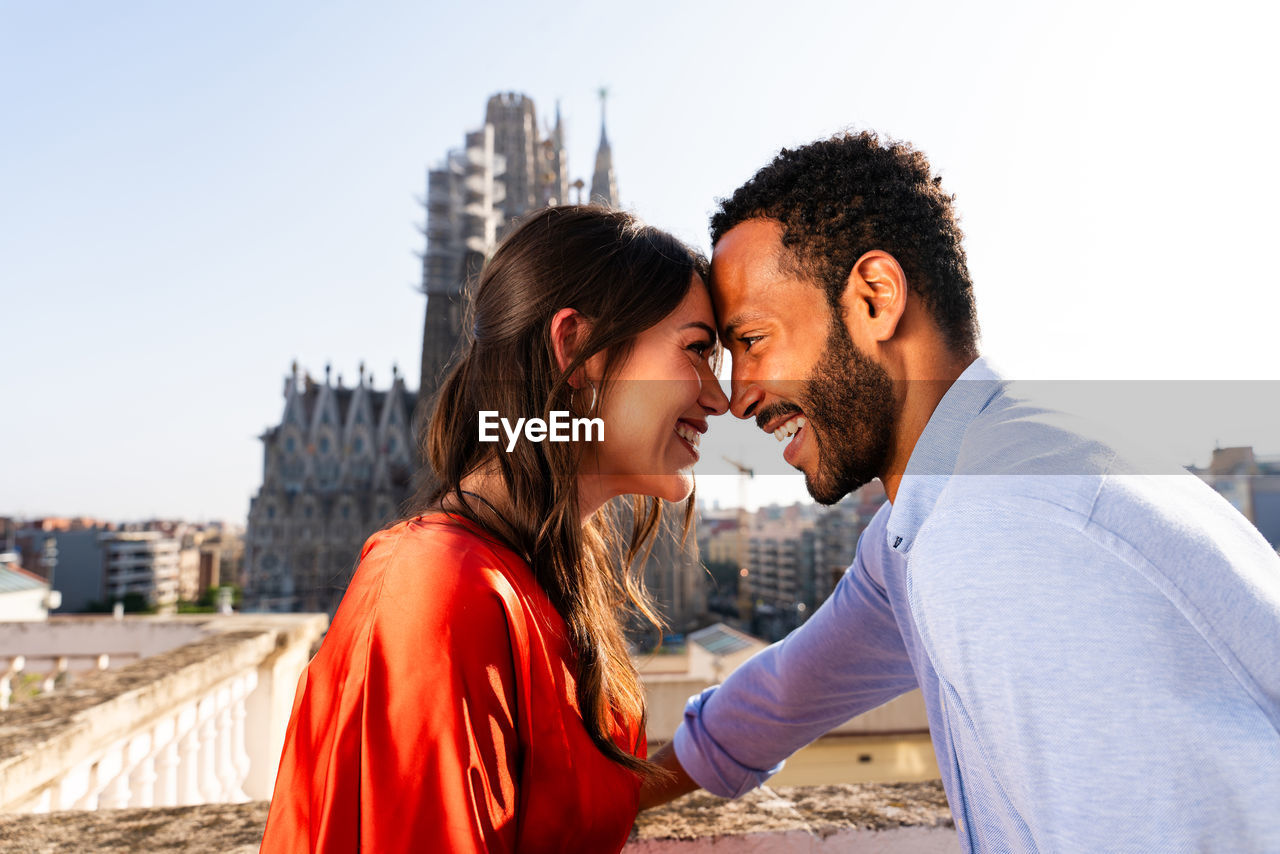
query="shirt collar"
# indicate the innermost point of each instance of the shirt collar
(933, 459)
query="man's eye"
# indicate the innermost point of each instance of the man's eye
(748, 340)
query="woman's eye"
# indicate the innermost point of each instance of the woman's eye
(701, 347)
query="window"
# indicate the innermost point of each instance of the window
(324, 445)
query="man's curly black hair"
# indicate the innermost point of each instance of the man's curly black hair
(842, 197)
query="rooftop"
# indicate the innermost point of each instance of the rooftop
(719, 639)
(14, 579)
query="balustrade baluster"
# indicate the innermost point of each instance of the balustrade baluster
(143, 783)
(73, 786)
(117, 793)
(169, 761)
(163, 735)
(121, 793)
(50, 681)
(189, 769)
(244, 687)
(16, 665)
(104, 771)
(210, 788)
(226, 761)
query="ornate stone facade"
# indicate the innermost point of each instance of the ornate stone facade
(336, 469)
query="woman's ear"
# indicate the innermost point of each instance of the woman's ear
(568, 330)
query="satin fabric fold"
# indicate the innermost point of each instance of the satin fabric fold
(440, 713)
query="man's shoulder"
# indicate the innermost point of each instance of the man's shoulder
(1023, 449)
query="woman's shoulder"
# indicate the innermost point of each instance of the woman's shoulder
(439, 535)
(432, 576)
(435, 561)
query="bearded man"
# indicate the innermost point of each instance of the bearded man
(1097, 642)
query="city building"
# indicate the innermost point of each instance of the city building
(24, 596)
(794, 557)
(1252, 485)
(210, 557)
(780, 573)
(673, 574)
(67, 553)
(144, 563)
(836, 533)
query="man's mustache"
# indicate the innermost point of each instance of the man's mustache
(777, 410)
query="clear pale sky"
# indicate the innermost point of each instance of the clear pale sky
(194, 195)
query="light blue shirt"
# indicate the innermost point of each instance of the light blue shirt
(1098, 645)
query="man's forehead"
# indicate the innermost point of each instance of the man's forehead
(750, 274)
(753, 249)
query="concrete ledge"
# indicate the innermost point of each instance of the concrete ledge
(204, 829)
(41, 738)
(880, 817)
(884, 818)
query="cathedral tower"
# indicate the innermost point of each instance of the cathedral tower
(604, 186)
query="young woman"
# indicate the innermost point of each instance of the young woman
(474, 692)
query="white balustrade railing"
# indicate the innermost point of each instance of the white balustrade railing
(202, 731)
(50, 669)
(158, 766)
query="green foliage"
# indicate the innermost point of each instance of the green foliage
(208, 601)
(134, 603)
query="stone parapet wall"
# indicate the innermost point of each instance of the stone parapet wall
(57, 750)
(884, 818)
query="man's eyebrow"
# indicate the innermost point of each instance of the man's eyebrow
(742, 318)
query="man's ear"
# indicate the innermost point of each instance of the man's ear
(875, 295)
(568, 330)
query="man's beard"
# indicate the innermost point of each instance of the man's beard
(849, 401)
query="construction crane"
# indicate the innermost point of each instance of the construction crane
(745, 474)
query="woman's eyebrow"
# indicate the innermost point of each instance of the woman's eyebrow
(700, 325)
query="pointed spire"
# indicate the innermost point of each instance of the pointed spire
(604, 101)
(558, 132)
(604, 186)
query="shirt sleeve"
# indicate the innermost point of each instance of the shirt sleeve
(849, 657)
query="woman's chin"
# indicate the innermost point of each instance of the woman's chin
(674, 487)
(679, 486)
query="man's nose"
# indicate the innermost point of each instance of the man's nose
(745, 398)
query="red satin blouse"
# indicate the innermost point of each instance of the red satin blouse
(440, 714)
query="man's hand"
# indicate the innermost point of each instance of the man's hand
(656, 792)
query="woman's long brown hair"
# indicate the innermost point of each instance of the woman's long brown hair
(623, 277)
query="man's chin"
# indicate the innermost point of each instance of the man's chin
(826, 490)
(822, 491)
